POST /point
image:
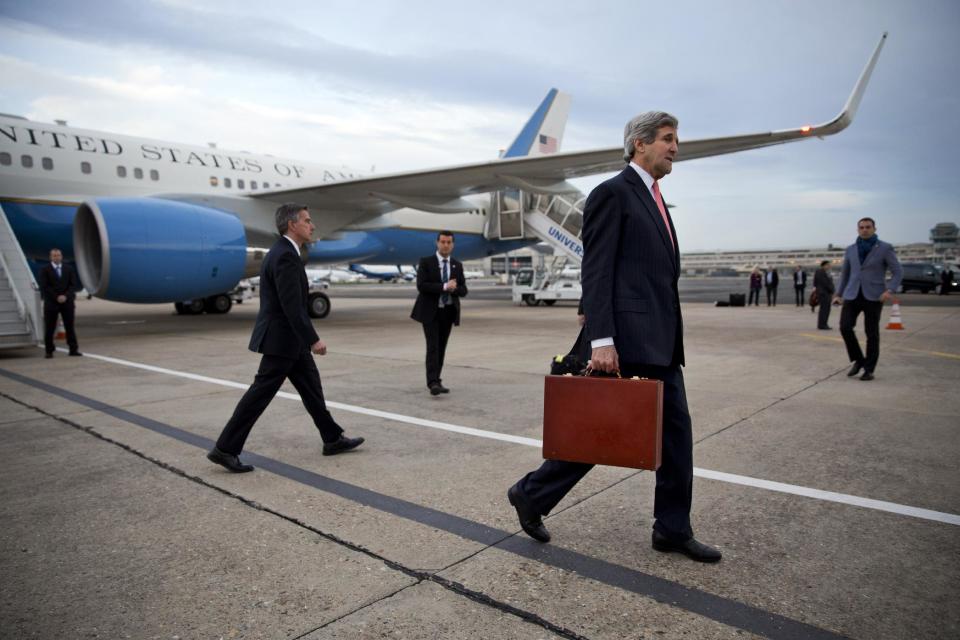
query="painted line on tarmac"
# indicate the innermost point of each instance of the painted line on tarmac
(747, 481)
(723, 610)
(938, 354)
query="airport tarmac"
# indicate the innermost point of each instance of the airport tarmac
(836, 502)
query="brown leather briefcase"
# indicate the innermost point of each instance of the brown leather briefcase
(613, 421)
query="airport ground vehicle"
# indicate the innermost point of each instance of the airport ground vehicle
(920, 276)
(532, 287)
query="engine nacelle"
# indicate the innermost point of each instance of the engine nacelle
(155, 250)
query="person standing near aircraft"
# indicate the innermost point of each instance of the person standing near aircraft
(58, 285)
(285, 336)
(756, 283)
(630, 271)
(440, 285)
(823, 285)
(863, 288)
(799, 284)
(772, 281)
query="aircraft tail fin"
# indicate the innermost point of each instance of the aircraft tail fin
(543, 133)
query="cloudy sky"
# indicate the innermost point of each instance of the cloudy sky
(390, 86)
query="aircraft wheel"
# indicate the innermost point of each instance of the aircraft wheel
(219, 303)
(318, 305)
(549, 303)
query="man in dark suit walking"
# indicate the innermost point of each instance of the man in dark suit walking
(440, 285)
(58, 285)
(630, 271)
(285, 336)
(823, 285)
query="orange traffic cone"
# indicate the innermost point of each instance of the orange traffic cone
(895, 322)
(61, 334)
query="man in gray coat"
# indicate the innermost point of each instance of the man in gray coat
(823, 285)
(863, 287)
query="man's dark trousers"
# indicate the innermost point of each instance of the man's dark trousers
(303, 374)
(798, 290)
(823, 314)
(50, 312)
(546, 486)
(871, 326)
(437, 332)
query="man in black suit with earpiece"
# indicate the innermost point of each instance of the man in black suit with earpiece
(440, 285)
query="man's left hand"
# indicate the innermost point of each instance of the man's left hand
(885, 296)
(61, 299)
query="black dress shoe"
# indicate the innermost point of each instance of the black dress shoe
(530, 520)
(825, 328)
(443, 389)
(855, 369)
(48, 355)
(341, 445)
(75, 353)
(690, 548)
(435, 390)
(228, 461)
(867, 375)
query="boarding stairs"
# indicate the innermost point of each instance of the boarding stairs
(21, 319)
(552, 218)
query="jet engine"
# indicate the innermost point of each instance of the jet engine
(155, 250)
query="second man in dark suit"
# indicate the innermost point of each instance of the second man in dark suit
(58, 285)
(440, 285)
(823, 285)
(285, 336)
(630, 271)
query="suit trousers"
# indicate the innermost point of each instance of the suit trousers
(437, 333)
(823, 314)
(771, 294)
(798, 293)
(871, 326)
(303, 374)
(65, 311)
(673, 496)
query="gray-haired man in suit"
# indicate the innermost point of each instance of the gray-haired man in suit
(863, 287)
(630, 270)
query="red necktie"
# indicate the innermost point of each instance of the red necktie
(663, 209)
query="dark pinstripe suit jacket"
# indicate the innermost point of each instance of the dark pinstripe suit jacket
(630, 273)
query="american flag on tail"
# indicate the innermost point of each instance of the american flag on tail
(548, 144)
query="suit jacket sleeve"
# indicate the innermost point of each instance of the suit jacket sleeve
(290, 295)
(897, 272)
(461, 289)
(73, 283)
(844, 273)
(601, 233)
(423, 284)
(46, 285)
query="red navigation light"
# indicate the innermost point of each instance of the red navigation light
(805, 129)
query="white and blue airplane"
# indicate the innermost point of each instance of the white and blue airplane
(149, 221)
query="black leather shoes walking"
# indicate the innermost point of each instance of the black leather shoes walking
(690, 548)
(530, 520)
(855, 369)
(341, 445)
(867, 375)
(228, 461)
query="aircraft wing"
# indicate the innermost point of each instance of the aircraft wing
(440, 190)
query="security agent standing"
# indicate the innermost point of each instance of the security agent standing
(823, 285)
(440, 285)
(863, 289)
(799, 285)
(285, 336)
(630, 272)
(58, 285)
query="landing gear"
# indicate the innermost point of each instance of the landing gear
(318, 305)
(219, 303)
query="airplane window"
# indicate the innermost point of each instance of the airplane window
(26, 161)
(253, 184)
(121, 171)
(154, 174)
(138, 173)
(47, 163)
(226, 182)
(5, 158)
(214, 181)
(239, 183)
(85, 167)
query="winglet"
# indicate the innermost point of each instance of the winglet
(845, 117)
